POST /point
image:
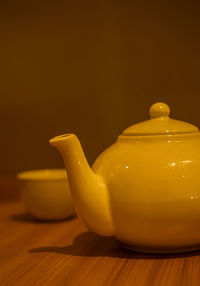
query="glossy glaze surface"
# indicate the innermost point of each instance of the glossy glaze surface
(154, 191)
(160, 123)
(145, 189)
(88, 190)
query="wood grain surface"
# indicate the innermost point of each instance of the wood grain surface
(66, 253)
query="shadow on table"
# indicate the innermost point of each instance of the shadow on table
(27, 218)
(22, 217)
(89, 244)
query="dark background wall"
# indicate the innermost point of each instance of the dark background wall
(92, 68)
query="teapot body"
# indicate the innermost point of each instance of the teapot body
(154, 191)
(144, 190)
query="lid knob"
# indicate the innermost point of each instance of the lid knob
(159, 109)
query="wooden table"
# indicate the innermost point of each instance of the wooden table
(66, 253)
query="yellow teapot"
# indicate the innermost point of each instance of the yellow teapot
(144, 190)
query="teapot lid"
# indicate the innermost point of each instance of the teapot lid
(160, 123)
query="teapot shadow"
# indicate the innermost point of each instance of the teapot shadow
(88, 244)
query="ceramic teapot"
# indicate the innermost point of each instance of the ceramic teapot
(144, 190)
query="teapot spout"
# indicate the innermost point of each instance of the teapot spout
(88, 190)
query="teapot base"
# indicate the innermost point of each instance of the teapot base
(160, 250)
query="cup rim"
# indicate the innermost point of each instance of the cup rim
(42, 175)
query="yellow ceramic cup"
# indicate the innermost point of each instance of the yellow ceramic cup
(46, 194)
